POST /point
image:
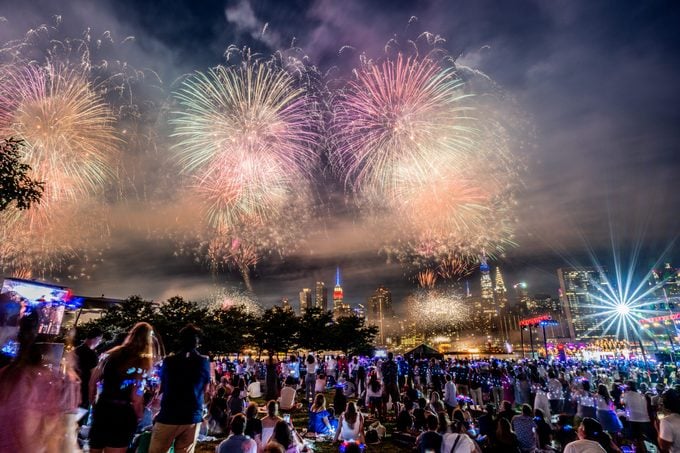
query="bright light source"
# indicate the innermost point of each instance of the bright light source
(622, 309)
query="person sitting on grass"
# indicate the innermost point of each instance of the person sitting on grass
(237, 442)
(318, 417)
(284, 436)
(339, 400)
(287, 398)
(350, 425)
(270, 420)
(430, 440)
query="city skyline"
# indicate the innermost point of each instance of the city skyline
(599, 158)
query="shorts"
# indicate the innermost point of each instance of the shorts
(113, 425)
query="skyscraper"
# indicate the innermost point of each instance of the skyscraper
(285, 304)
(305, 300)
(499, 290)
(577, 288)
(321, 294)
(380, 307)
(487, 286)
(522, 298)
(338, 295)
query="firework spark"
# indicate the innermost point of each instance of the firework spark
(225, 298)
(416, 146)
(246, 134)
(437, 309)
(68, 129)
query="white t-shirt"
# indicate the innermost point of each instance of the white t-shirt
(311, 367)
(636, 406)
(584, 446)
(287, 399)
(464, 445)
(669, 430)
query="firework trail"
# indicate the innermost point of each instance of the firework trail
(247, 136)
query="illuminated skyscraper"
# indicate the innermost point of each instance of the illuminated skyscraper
(487, 286)
(379, 308)
(285, 304)
(500, 291)
(321, 300)
(305, 300)
(338, 295)
(577, 287)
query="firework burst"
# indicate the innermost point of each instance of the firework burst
(225, 298)
(437, 309)
(245, 134)
(70, 139)
(247, 138)
(425, 154)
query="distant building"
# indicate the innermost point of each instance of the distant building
(487, 285)
(523, 302)
(359, 311)
(500, 292)
(285, 304)
(305, 300)
(577, 288)
(321, 296)
(338, 296)
(379, 308)
(667, 283)
(545, 304)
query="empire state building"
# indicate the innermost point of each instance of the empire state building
(337, 292)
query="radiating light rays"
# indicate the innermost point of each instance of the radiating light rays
(620, 304)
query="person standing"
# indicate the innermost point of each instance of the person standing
(450, 396)
(310, 378)
(86, 361)
(669, 427)
(120, 405)
(390, 376)
(185, 377)
(638, 415)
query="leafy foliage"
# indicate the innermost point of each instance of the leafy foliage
(235, 329)
(15, 183)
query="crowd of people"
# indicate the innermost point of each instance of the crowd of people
(132, 397)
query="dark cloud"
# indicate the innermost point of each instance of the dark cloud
(598, 80)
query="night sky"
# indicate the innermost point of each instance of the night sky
(597, 82)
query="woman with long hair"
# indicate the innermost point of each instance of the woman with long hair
(605, 411)
(435, 406)
(122, 374)
(350, 425)
(318, 417)
(505, 440)
(283, 435)
(253, 425)
(374, 396)
(270, 420)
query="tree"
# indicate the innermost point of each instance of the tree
(314, 326)
(277, 330)
(120, 318)
(351, 335)
(15, 183)
(228, 331)
(173, 315)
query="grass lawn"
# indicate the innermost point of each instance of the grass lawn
(300, 420)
